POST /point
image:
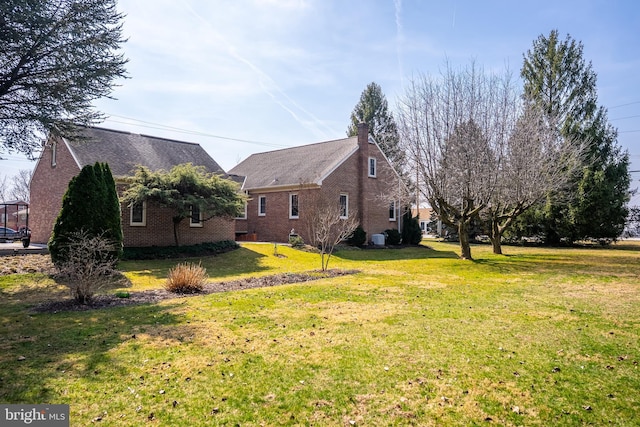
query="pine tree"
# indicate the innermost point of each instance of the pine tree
(373, 109)
(89, 206)
(56, 58)
(559, 81)
(411, 232)
(111, 217)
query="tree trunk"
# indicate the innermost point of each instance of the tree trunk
(463, 235)
(495, 235)
(176, 221)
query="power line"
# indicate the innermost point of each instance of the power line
(624, 105)
(152, 125)
(628, 117)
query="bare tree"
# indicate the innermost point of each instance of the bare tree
(88, 265)
(455, 129)
(20, 185)
(330, 224)
(4, 188)
(536, 161)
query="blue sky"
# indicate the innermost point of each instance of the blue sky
(267, 74)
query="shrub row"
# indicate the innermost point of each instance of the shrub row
(166, 252)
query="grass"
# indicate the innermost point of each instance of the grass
(538, 337)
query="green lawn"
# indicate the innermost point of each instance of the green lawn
(538, 337)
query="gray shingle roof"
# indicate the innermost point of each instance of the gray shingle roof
(124, 150)
(307, 164)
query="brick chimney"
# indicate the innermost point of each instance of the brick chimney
(363, 170)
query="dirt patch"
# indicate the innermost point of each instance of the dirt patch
(156, 295)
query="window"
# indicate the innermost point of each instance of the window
(344, 206)
(372, 167)
(138, 214)
(54, 153)
(392, 211)
(196, 217)
(293, 206)
(262, 205)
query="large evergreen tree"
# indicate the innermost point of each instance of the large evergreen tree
(56, 57)
(90, 206)
(561, 83)
(373, 109)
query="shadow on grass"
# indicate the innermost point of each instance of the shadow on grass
(42, 350)
(564, 261)
(237, 262)
(393, 254)
(39, 289)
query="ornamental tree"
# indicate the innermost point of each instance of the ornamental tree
(454, 128)
(184, 188)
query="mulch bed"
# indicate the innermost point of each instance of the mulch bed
(156, 295)
(28, 263)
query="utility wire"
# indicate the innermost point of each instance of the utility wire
(624, 105)
(628, 117)
(152, 125)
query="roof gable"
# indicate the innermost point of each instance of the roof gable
(123, 151)
(307, 164)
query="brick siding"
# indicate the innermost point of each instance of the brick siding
(368, 196)
(49, 183)
(158, 229)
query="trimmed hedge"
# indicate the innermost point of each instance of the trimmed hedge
(393, 237)
(168, 252)
(358, 238)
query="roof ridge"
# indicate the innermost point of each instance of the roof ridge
(140, 134)
(303, 146)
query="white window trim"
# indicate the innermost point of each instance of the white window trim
(375, 167)
(395, 215)
(262, 213)
(200, 223)
(291, 216)
(346, 206)
(143, 223)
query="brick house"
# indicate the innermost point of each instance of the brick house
(146, 224)
(282, 186)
